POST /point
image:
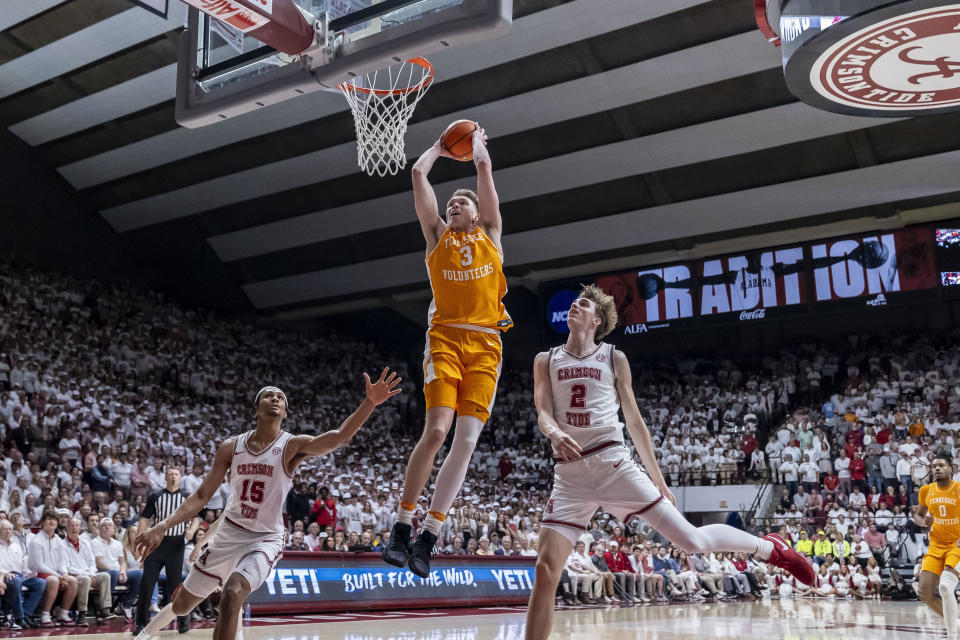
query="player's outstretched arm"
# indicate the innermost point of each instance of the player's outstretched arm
(302, 447)
(151, 538)
(424, 197)
(636, 426)
(490, 218)
(564, 447)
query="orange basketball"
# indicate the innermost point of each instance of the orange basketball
(458, 139)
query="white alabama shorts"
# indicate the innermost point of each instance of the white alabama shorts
(234, 550)
(607, 478)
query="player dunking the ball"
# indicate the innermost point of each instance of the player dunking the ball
(462, 356)
(939, 509)
(251, 532)
(579, 390)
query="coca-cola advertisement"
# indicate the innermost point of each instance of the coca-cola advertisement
(759, 280)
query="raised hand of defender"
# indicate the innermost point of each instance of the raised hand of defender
(147, 542)
(928, 520)
(385, 387)
(564, 446)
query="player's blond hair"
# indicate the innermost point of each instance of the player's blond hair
(469, 193)
(606, 308)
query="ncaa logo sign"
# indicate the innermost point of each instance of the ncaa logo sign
(557, 309)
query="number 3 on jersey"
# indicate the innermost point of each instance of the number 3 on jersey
(466, 256)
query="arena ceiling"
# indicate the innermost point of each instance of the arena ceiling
(623, 132)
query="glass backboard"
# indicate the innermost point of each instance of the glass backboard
(223, 71)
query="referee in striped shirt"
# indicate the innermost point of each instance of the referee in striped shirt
(169, 555)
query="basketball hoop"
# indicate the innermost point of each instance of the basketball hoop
(382, 103)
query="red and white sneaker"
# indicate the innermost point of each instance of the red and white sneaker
(785, 557)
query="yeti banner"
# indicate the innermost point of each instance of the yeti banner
(341, 581)
(864, 270)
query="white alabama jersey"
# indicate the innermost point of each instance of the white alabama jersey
(259, 485)
(585, 401)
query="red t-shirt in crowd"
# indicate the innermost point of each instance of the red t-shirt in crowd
(854, 436)
(749, 444)
(325, 512)
(884, 436)
(618, 562)
(831, 482)
(857, 470)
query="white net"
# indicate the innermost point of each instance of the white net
(382, 103)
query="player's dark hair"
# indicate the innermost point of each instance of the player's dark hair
(944, 455)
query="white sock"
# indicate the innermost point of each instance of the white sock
(432, 525)
(404, 515)
(948, 583)
(161, 620)
(455, 465)
(665, 518)
(764, 550)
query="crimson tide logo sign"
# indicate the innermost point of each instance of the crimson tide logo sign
(908, 63)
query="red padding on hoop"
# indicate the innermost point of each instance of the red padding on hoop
(760, 13)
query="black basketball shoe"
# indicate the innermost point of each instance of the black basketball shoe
(420, 553)
(397, 551)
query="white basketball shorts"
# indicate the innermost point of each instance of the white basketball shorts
(234, 550)
(607, 478)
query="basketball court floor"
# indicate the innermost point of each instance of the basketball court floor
(795, 619)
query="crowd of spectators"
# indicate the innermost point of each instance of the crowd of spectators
(103, 386)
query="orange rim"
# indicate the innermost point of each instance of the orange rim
(422, 62)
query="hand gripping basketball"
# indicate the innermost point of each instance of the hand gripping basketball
(458, 138)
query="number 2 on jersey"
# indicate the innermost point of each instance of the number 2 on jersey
(578, 395)
(255, 494)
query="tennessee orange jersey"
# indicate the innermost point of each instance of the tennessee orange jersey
(944, 506)
(466, 275)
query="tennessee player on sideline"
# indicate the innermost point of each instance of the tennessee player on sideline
(939, 509)
(462, 356)
(579, 389)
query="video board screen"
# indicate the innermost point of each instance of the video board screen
(864, 270)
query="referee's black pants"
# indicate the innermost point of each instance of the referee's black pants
(169, 556)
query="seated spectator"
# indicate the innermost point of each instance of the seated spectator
(877, 543)
(484, 547)
(804, 544)
(312, 539)
(296, 543)
(47, 557)
(506, 547)
(13, 570)
(109, 556)
(82, 565)
(583, 575)
(619, 564)
(455, 547)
